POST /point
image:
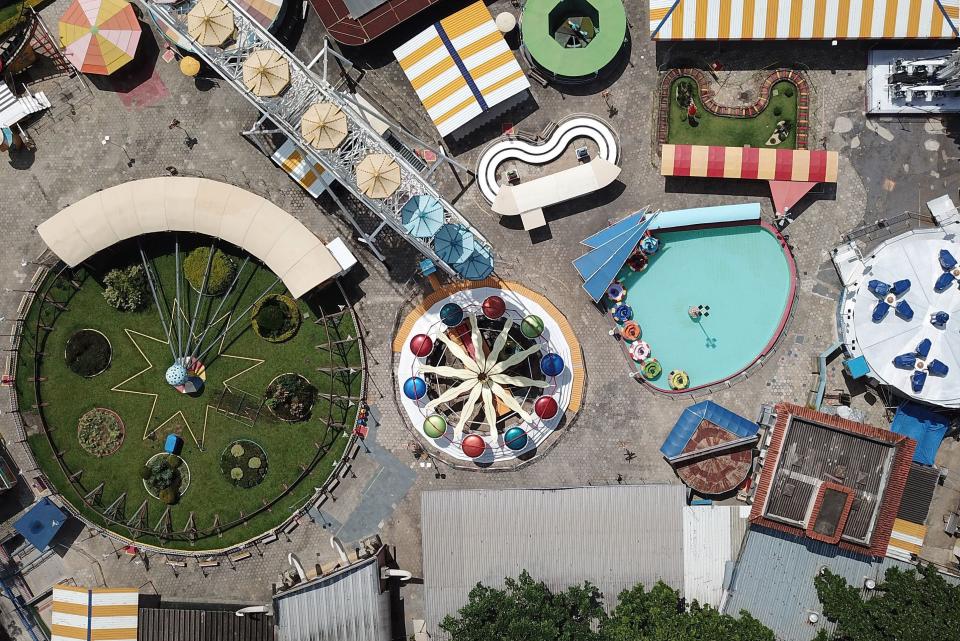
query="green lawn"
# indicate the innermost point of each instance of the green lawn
(245, 362)
(733, 132)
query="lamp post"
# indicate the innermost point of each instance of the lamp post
(190, 140)
(106, 141)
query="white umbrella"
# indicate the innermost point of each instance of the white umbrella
(324, 125)
(266, 73)
(210, 23)
(378, 175)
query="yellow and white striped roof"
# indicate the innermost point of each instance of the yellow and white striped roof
(101, 614)
(803, 19)
(460, 67)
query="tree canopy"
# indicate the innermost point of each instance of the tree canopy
(911, 605)
(527, 610)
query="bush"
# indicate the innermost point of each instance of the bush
(100, 432)
(87, 353)
(236, 474)
(146, 472)
(222, 270)
(777, 111)
(788, 92)
(246, 469)
(127, 288)
(236, 450)
(291, 397)
(168, 495)
(162, 475)
(254, 463)
(173, 461)
(275, 318)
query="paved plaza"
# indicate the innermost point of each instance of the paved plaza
(887, 167)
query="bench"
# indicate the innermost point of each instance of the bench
(240, 556)
(209, 564)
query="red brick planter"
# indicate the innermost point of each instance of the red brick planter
(706, 97)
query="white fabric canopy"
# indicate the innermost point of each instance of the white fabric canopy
(246, 220)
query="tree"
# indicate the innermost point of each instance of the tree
(911, 605)
(126, 289)
(662, 615)
(527, 610)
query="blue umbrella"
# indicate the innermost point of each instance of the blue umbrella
(453, 243)
(904, 310)
(937, 368)
(923, 348)
(878, 287)
(477, 266)
(880, 311)
(945, 281)
(905, 361)
(422, 216)
(917, 381)
(947, 261)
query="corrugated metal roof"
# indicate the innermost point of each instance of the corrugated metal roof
(918, 493)
(613, 536)
(712, 535)
(773, 580)
(346, 606)
(180, 624)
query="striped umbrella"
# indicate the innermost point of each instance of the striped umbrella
(99, 36)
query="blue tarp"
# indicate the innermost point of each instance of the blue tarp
(40, 524)
(924, 426)
(691, 418)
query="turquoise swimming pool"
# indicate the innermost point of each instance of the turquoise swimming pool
(745, 277)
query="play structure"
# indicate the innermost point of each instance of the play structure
(573, 40)
(486, 373)
(791, 173)
(527, 200)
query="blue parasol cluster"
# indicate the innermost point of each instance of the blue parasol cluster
(422, 216)
(881, 290)
(947, 263)
(453, 243)
(920, 354)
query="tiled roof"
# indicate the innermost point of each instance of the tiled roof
(891, 491)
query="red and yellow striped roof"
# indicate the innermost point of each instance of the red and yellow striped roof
(750, 163)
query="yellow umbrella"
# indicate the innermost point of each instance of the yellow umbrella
(266, 72)
(189, 66)
(378, 175)
(324, 125)
(210, 23)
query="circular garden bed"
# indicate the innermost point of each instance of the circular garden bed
(290, 397)
(166, 477)
(244, 463)
(275, 318)
(88, 353)
(100, 432)
(222, 271)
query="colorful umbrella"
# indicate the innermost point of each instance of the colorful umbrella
(99, 36)
(422, 216)
(378, 175)
(266, 73)
(324, 125)
(478, 265)
(453, 243)
(210, 23)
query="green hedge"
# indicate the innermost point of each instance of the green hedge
(275, 318)
(222, 270)
(126, 288)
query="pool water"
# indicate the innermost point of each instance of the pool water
(742, 273)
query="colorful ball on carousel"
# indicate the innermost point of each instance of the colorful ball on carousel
(551, 364)
(494, 307)
(531, 326)
(546, 407)
(435, 426)
(515, 438)
(451, 314)
(473, 446)
(421, 345)
(176, 374)
(414, 388)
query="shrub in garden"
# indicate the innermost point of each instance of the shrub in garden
(222, 270)
(244, 465)
(168, 495)
(87, 353)
(275, 318)
(788, 92)
(163, 476)
(173, 461)
(777, 111)
(291, 397)
(126, 289)
(100, 432)
(146, 472)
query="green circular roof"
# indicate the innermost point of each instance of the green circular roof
(538, 30)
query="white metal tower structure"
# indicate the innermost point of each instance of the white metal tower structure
(286, 110)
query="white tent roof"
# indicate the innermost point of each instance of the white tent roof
(912, 256)
(246, 220)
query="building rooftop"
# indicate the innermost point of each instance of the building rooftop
(189, 624)
(831, 479)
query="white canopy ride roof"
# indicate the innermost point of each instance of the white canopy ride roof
(913, 256)
(246, 220)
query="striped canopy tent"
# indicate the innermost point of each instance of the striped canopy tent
(99, 614)
(791, 172)
(462, 68)
(99, 36)
(803, 19)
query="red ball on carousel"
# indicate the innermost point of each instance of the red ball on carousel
(473, 446)
(421, 345)
(546, 407)
(494, 307)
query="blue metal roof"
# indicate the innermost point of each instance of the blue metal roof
(600, 266)
(924, 426)
(705, 410)
(617, 228)
(40, 524)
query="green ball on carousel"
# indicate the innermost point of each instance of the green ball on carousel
(531, 326)
(435, 426)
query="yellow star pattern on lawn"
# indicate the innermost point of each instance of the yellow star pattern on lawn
(122, 386)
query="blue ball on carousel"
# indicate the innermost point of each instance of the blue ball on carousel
(176, 374)
(515, 438)
(551, 364)
(414, 388)
(451, 314)
(650, 245)
(622, 313)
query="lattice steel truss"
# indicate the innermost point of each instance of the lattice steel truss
(286, 110)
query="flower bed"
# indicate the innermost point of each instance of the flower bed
(166, 477)
(290, 397)
(100, 432)
(275, 318)
(88, 353)
(244, 463)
